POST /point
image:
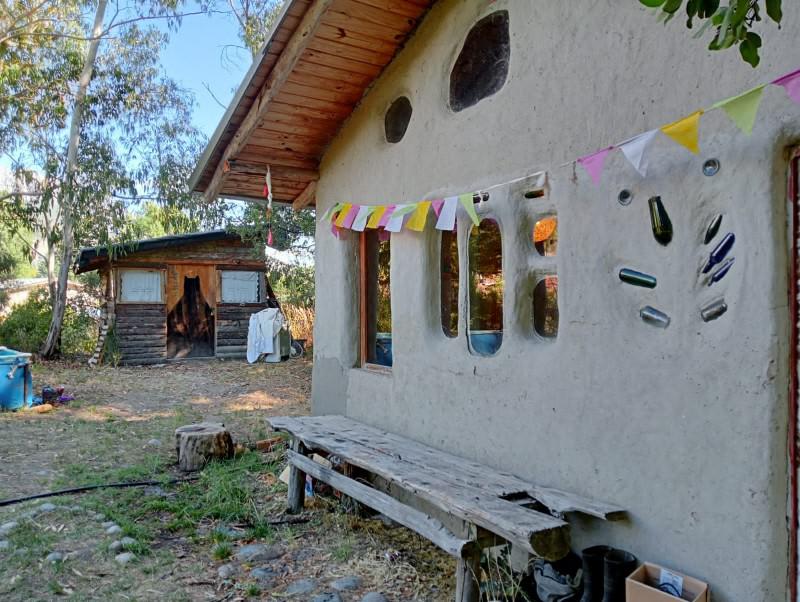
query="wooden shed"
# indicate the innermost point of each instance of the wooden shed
(178, 297)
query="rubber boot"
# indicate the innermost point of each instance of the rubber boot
(593, 567)
(618, 565)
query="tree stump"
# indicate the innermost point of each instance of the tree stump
(196, 444)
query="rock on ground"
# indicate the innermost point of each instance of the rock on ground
(374, 597)
(124, 558)
(8, 527)
(263, 575)
(301, 587)
(54, 557)
(327, 597)
(257, 552)
(113, 530)
(108, 523)
(226, 571)
(346, 583)
(46, 507)
(4, 545)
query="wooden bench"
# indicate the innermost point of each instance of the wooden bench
(476, 504)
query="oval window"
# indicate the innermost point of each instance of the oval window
(397, 119)
(545, 307)
(545, 236)
(481, 68)
(485, 288)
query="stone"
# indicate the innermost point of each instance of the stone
(374, 597)
(301, 587)
(155, 491)
(263, 575)
(229, 533)
(82, 554)
(4, 545)
(108, 523)
(46, 507)
(127, 542)
(346, 583)
(257, 552)
(113, 530)
(124, 558)
(8, 527)
(226, 571)
(327, 597)
(154, 443)
(115, 546)
(54, 557)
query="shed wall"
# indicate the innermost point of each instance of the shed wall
(686, 427)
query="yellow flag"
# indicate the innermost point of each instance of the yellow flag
(419, 217)
(685, 131)
(343, 214)
(376, 216)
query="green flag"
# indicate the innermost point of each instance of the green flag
(469, 206)
(742, 109)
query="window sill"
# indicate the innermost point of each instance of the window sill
(376, 369)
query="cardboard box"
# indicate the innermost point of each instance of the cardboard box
(642, 586)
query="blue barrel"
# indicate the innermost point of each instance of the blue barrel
(485, 342)
(16, 385)
(383, 349)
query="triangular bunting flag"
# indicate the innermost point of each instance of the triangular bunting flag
(791, 83)
(387, 215)
(395, 223)
(329, 213)
(635, 150)
(350, 217)
(420, 216)
(742, 109)
(469, 205)
(343, 211)
(593, 164)
(361, 217)
(447, 215)
(375, 217)
(437, 205)
(685, 131)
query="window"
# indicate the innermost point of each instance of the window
(141, 286)
(545, 307)
(545, 236)
(397, 119)
(485, 288)
(376, 300)
(448, 270)
(240, 287)
(481, 68)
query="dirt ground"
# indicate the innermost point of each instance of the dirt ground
(187, 541)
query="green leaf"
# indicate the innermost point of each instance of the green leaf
(652, 3)
(672, 6)
(749, 52)
(774, 10)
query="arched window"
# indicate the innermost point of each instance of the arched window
(481, 68)
(448, 270)
(397, 118)
(486, 287)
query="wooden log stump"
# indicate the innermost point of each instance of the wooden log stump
(196, 444)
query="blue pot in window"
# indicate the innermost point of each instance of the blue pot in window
(383, 349)
(485, 342)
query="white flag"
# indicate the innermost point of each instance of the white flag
(361, 218)
(395, 223)
(635, 150)
(447, 216)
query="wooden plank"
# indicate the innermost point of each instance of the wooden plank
(307, 197)
(430, 528)
(334, 61)
(468, 571)
(538, 533)
(297, 480)
(356, 39)
(379, 15)
(332, 73)
(278, 171)
(350, 52)
(412, 10)
(274, 82)
(232, 349)
(353, 23)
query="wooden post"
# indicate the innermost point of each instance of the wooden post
(297, 481)
(468, 571)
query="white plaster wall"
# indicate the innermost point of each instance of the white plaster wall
(685, 427)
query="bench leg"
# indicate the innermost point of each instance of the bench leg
(297, 482)
(468, 571)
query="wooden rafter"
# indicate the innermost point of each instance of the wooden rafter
(280, 73)
(306, 197)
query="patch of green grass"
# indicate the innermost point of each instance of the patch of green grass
(252, 590)
(344, 551)
(30, 542)
(222, 550)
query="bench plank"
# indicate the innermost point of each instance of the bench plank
(407, 516)
(538, 533)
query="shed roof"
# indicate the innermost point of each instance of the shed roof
(91, 258)
(318, 62)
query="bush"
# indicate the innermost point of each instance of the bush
(25, 327)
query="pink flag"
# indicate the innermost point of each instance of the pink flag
(386, 215)
(437, 205)
(593, 164)
(791, 83)
(351, 216)
(335, 230)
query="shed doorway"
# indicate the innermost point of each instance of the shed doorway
(190, 323)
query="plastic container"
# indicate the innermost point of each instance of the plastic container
(485, 342)
(383, 349)
(16, 384)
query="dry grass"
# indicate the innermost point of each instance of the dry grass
(301, 321)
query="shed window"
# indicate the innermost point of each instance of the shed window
(545, 307)
(141, 286)
(449, 283)
(397, 119)
(481, 68)
(240, 287)
(485, 288)
(376, 300)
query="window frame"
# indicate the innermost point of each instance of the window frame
(363, 326)
(263, 293)
(483, 215)
(118, 281)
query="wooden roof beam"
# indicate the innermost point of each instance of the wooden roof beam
(280, 172)
(306, 197)
(280, 73)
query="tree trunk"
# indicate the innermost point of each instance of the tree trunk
(196, 444)
(50, 346)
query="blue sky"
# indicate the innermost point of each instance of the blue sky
(202, 52)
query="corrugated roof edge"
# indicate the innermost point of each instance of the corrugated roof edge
(226, 118)
(88, 254)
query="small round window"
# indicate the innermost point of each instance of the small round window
(397, 119)
(481, 68)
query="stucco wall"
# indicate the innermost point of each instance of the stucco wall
(685, 427)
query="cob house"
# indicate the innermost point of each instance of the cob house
(178, 297)
(490, 285)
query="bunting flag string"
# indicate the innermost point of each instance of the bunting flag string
(741, 109)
